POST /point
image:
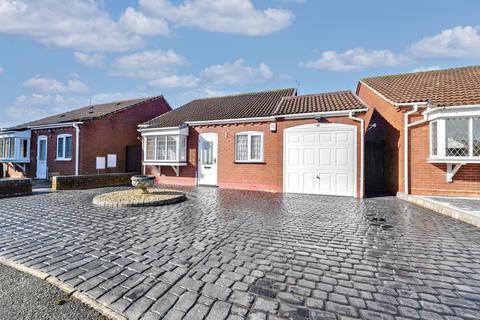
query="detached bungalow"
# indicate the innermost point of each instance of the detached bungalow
(428, 124)
(273, 141)
(69, 143)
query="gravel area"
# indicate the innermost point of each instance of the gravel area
(137, 198)
(23, 296)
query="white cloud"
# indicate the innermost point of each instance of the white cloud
(236, 73)
(423, 69)
(148, 65)
(47, 85)
(459, 42)
(228, 16)
(2, 71)
(35, 106)
(160, 69)
(175, 81)
(90, 60)
(137, 23)
(355, 60)
(78, 24)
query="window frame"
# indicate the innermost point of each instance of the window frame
(249, 134)
(64, 137)
(180, 148)
(27, 146)
(441, 140)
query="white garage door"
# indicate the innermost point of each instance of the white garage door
(320, 159)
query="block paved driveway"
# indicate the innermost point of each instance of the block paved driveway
(233, 254)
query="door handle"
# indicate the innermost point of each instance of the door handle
(318, 177)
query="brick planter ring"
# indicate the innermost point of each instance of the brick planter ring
(136, 198)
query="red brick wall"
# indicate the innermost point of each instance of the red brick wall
(267, 176)
(424, 178)
(113, 133)
(108, 135)
(54, 166)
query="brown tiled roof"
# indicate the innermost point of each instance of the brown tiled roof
(86, 113)
(248, 105)
(449, 87)
(321, 102)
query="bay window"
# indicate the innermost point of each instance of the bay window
(166, 148)
(249, 147)
(7, 148)
(64, 147)
(455, 138)
(15, 147)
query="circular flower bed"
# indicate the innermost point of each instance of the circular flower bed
(137, 198)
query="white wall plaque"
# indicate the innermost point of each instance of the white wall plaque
(111, 161)
(100, 163)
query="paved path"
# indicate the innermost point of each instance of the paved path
(469, 205)
(249, 254)
(23, 296)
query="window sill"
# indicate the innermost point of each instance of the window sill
(250, 162)
(454, 160)
(60, 159)
(13, 160)
(164, 163)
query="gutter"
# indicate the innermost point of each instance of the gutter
(57, 125)
(77, 148)
(264, 119)
(408, 125)
(362, 156)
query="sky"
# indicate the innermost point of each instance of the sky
(58, 55)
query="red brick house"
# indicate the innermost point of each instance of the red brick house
(429, 126)
(272, 141)
(69, 143)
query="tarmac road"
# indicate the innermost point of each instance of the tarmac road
(24, 297)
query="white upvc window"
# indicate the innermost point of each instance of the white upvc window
(166, 148)
(455, 138)
(64, 147)
(249, 146)
(7, 148)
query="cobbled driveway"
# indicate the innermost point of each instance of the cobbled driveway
(232, 254)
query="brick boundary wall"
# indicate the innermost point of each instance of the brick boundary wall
(91, 181)
(15, 187)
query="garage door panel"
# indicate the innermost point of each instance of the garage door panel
(309, 157)
(309, 138)
(325, 158)
(342, 158)
(343, 137)
(309, 182)
(320, 160)
(325, 137)
(294, 138)
(293, 157)
(293, 181)
(342, 183)
(325, 182)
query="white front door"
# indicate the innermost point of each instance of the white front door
(42, 157)
(320, 159)
(207, 159)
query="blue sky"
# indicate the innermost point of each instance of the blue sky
(56, 55)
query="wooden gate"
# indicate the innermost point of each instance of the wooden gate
(134, 158)
(375, 168)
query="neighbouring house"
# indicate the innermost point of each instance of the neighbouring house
(272, 141)
(70, 143)
(423, 133)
